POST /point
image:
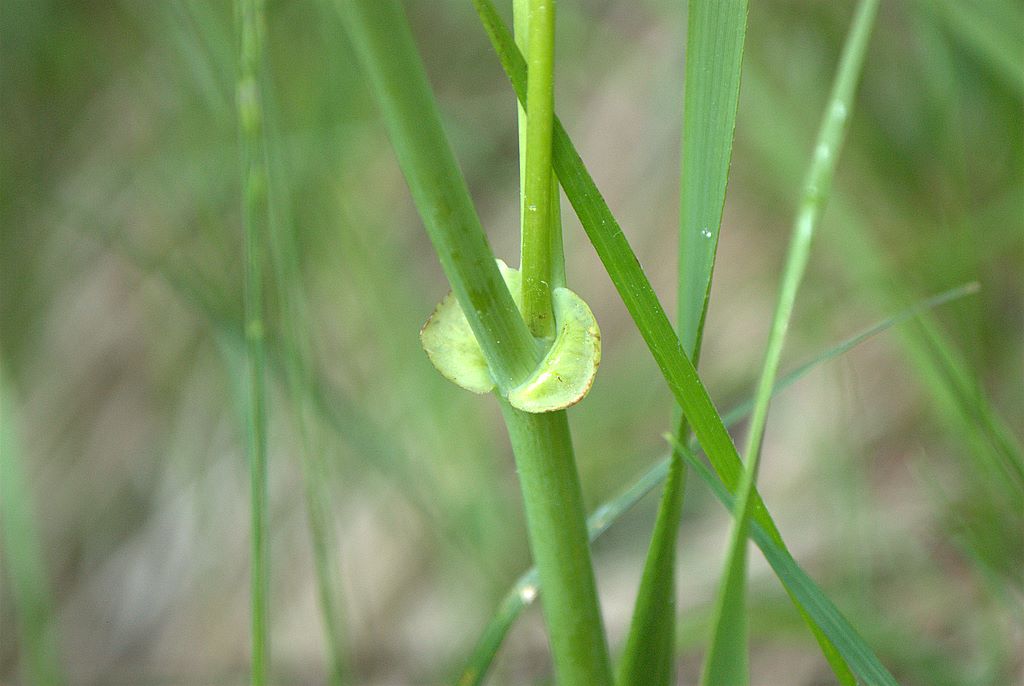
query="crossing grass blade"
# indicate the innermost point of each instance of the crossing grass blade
(22, 556)
(525, 590)
(714, 55)
(726, 662)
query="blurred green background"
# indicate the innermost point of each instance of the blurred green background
(893, 472)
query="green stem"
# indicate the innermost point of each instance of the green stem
(254, 211)
(559, 543)
(537, 228)
(520, 25)
(541, 442)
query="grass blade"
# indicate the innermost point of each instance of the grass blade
(541, 442)
(727, 655)
(299, 381)
(714, 55)
(249, 96)
(526, 588)
(632, 284)
(23, 557)
(649, 654)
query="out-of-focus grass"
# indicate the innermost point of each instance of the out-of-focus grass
(120, 311)
(26, 572)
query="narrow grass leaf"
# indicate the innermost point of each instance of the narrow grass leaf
(714, 54)
(299, 381)
(726, 661)
(526, 588)
(23, 558)
(249, 96)
(976, 410)
(649, 653)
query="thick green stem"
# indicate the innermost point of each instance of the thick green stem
(537, 226)
(541, 442)
(558, 540)
(254, 214)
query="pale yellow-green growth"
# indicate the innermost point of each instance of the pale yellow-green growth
(561, 379)
(567, 371)
(451, 345)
